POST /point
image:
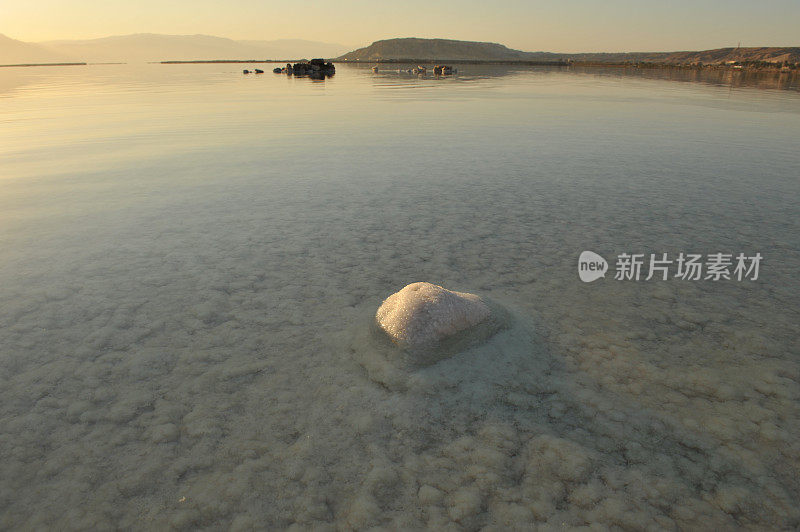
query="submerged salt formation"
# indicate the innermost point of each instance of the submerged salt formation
(424, 314)
(418, 328)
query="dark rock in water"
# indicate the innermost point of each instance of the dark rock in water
(245, 71)
(258, 71)
(301, 69)
(316, 69)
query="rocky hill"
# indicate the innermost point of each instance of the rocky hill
(439, 49)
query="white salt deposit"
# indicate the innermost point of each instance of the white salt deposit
(425, 314)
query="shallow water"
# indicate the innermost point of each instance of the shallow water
(192, 258)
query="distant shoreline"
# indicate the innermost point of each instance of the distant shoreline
(684, 66)
(509, 62)
(757, 67)
(743, 67)
(464, 62)
(45, 64)
(210, 61)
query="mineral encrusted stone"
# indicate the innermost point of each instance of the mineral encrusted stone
(423, 314)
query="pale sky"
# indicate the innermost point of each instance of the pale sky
(530, 25)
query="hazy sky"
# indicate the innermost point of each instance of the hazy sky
(531, 25)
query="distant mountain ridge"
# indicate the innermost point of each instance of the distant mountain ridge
(157, 47)
(13, 52)
(448, 49)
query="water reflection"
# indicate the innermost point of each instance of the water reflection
(392, 75)
(133, 78)
(732, 78)
(12, 80)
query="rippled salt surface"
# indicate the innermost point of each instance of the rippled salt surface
(189, 257)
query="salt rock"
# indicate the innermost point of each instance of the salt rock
(423, 314)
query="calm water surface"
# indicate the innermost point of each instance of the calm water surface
(191, 259)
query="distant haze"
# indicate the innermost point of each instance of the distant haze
(531, 25)
(150, 47)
